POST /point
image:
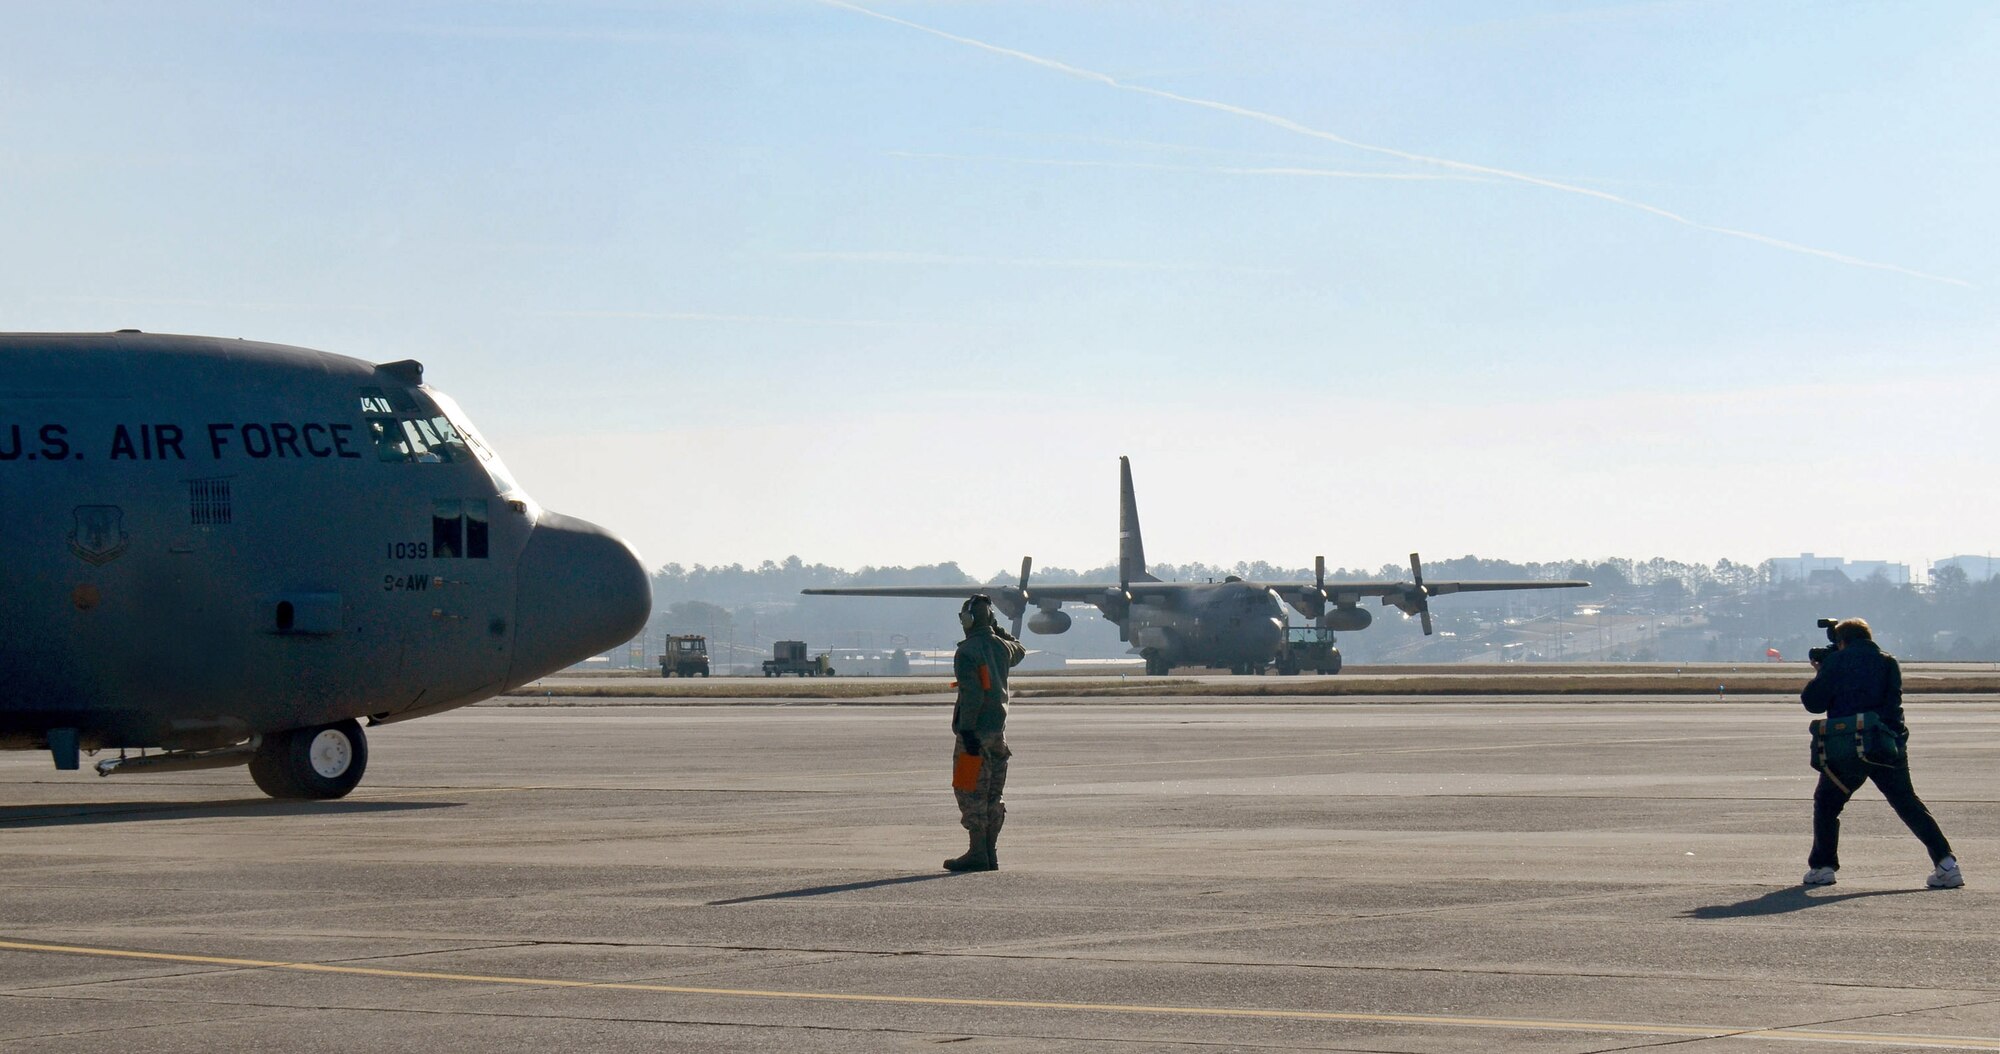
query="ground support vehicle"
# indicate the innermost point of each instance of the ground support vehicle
(1308, 648)
(685, 655)
(789, 656)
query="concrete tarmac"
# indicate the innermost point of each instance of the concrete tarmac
(1536, 877)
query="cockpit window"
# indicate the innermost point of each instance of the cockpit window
(404, 430)
(423, 426)
(468, 438)
(387, 401)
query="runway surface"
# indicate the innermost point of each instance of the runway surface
(1446, 877)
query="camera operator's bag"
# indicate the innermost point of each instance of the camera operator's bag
(1847, 745)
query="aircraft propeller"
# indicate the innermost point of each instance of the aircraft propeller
(1118, 606)
(1423, 595)
(1027, 564)
(1313, 605)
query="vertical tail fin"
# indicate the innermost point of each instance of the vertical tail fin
(1131, 548)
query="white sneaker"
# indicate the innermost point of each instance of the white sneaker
(1946, 876)
(1823, 876)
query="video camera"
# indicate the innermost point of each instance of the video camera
(1818, 655)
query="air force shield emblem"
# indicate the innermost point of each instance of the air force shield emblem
(99, 536)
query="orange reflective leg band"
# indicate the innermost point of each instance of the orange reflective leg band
(965, 772)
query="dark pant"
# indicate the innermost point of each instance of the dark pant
(1894, 782)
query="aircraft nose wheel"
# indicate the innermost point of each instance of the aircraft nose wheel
(323, 761)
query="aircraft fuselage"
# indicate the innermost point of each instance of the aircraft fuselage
(207, 540)
(1231, 624)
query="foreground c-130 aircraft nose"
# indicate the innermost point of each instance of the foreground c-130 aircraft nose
(220, 552)
(579, 583)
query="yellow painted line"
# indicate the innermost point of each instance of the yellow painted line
(1348, 1017)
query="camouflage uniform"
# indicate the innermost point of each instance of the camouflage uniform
(980, 721)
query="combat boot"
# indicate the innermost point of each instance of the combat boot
(993, 844)
(976, 857)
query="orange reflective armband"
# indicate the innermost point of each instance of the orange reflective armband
(985, 678)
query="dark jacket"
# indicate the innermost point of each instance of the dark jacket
(982, 707)
(1858, 678)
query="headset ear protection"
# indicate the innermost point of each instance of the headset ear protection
(977, 609)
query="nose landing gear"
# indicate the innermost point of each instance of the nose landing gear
(323, 761)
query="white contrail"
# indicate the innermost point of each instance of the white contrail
(706, 316)
(1289, 125)
(1211, 170)
(894, 256)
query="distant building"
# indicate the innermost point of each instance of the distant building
(1976, 568)
(1808, 568)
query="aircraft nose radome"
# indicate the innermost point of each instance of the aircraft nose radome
(581, 590)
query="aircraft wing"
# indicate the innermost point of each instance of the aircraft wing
(953, 592)
(1009, 599)
(1088, 593)
(1071, 592)
(1312, 599)
(1437, 588)
(1433, 588)
(1309, 598)
(1114, 601)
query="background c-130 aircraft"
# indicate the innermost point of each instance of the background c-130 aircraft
(1232, 623)
(235, 552)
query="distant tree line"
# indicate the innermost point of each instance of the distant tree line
(1725, 611)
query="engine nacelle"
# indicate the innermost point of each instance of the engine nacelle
(1345, 619)
(1311, 605)
(1049, 623)
(1010, 602)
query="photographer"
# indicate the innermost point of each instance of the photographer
(1855, 679)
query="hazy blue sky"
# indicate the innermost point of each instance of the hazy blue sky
(1531, 280)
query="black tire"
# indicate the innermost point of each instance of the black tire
(324, 761)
